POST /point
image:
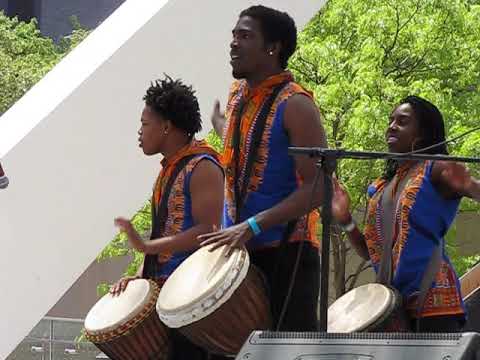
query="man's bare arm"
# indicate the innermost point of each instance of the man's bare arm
(302, 121)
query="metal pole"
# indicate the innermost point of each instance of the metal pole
(50, 346)
(328, 164)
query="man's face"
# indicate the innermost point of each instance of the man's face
(248, 51)
(152, 132)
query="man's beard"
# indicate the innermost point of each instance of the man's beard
(237, 74)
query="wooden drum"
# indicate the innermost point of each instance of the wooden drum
(368, 308)
(214, 300)
(127, 326)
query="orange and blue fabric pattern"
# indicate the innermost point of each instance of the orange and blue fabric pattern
(274, 176)
(180, 217)
(422, 219)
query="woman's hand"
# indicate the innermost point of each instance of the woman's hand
(340, 203)
(457, 177)
(454, 180)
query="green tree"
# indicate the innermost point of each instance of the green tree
(362, 57)
(26, 56)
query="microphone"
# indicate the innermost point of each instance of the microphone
(3, 179)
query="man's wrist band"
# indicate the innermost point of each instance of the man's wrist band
(254, 226)
(348, 227)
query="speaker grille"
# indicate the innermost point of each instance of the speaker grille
(360, 336)
(472, 302)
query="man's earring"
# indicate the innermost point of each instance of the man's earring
(270, 53)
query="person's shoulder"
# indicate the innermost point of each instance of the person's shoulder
(206, 170)
(295, 95)
(374, 187)
(205, 163)
(294, 90)
(300, 105)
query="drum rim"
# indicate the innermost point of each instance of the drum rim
(235, 259)
(394, 305)
(211, 301)
(125, 326)
(380, 315)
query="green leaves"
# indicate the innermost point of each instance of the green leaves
(361, 57)
(215, 141)
(26, 56)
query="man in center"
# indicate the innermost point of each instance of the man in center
(268, 192)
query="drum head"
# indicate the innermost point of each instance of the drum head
(203, 282)
(359, 308)
(112, 311)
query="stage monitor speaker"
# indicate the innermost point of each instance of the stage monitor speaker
(472, 303)
(265, 345)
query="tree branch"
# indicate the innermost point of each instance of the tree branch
(399, 28)
(354, 277)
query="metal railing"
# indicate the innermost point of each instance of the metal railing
(56, 339)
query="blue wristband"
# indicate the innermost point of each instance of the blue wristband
(254, 226)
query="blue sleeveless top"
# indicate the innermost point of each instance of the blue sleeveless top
(180, 218)
(422, 218)
(274, 176)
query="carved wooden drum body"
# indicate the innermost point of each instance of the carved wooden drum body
(214, 300)
(127, 326)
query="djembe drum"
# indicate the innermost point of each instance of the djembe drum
(126, 326)
(368, 308)
(214, 300)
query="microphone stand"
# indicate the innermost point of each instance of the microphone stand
(328, 162)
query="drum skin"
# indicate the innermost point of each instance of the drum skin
(226, 330)
(143, 337)
(368, 308)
